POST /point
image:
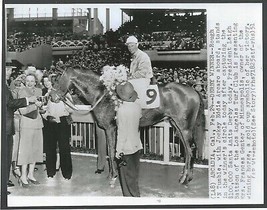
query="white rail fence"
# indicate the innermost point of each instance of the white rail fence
(158, 139)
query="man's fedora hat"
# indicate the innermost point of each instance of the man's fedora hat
(126, 92)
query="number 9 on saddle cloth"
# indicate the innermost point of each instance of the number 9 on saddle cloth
(147, 95)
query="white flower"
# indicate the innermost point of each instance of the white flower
(111, 77)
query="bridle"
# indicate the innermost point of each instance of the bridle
(65, 100)
(72, 106)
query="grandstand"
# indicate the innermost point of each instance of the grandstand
(44, 26)
(169, 36)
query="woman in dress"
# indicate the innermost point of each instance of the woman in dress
(31, 137)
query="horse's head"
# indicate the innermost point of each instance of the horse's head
(61, 84)
(85, 83)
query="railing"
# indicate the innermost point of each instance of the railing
(83, 135)
(158, 139)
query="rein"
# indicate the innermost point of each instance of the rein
(76, 109)
(65, 101)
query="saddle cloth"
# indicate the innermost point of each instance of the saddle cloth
(152, 97)
(148, 95)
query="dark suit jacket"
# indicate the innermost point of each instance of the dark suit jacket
(11, 106)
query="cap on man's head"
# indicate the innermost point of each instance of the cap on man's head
(131, 39)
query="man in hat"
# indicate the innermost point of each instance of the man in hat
(140, 69)
(128, 141)
(11, 106)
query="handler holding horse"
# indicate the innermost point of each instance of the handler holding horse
(129, 114)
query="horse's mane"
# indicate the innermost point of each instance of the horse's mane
(86, 73)
(82, 69)
(85, 69)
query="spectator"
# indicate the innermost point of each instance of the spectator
(31, 137)
(15, 168)
(11, 105)
(59, 128)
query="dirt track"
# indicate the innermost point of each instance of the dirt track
(156, 181)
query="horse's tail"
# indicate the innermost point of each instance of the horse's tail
(199, 129)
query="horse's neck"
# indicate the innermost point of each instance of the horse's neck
(89, 85)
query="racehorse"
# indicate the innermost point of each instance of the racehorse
(180, 104)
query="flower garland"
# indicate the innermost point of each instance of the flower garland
(111, 77)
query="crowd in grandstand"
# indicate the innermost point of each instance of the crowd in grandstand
(154, 32)
(95, 61)
(175, 42)
(95, 58)
(186, 32)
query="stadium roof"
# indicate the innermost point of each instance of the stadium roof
(133, 12)
(30, 19)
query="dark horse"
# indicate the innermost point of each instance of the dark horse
(180, 104)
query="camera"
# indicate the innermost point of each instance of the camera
(42, 99)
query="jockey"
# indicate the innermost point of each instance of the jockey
(140, 69)
(133, 94)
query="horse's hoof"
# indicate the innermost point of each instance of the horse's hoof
(190, 179)
(182, 179)
(185, 179)
(112, 182)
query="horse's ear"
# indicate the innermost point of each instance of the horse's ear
(60, 69)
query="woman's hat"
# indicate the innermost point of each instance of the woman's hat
(126, 92)
(30, 70)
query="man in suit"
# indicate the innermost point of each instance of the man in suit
(11, 106)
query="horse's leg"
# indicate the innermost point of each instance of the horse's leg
(113, 173)
(186, 137)
(187, 174)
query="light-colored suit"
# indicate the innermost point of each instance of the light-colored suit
(31, 135)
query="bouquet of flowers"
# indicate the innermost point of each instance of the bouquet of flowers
(111, 77)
